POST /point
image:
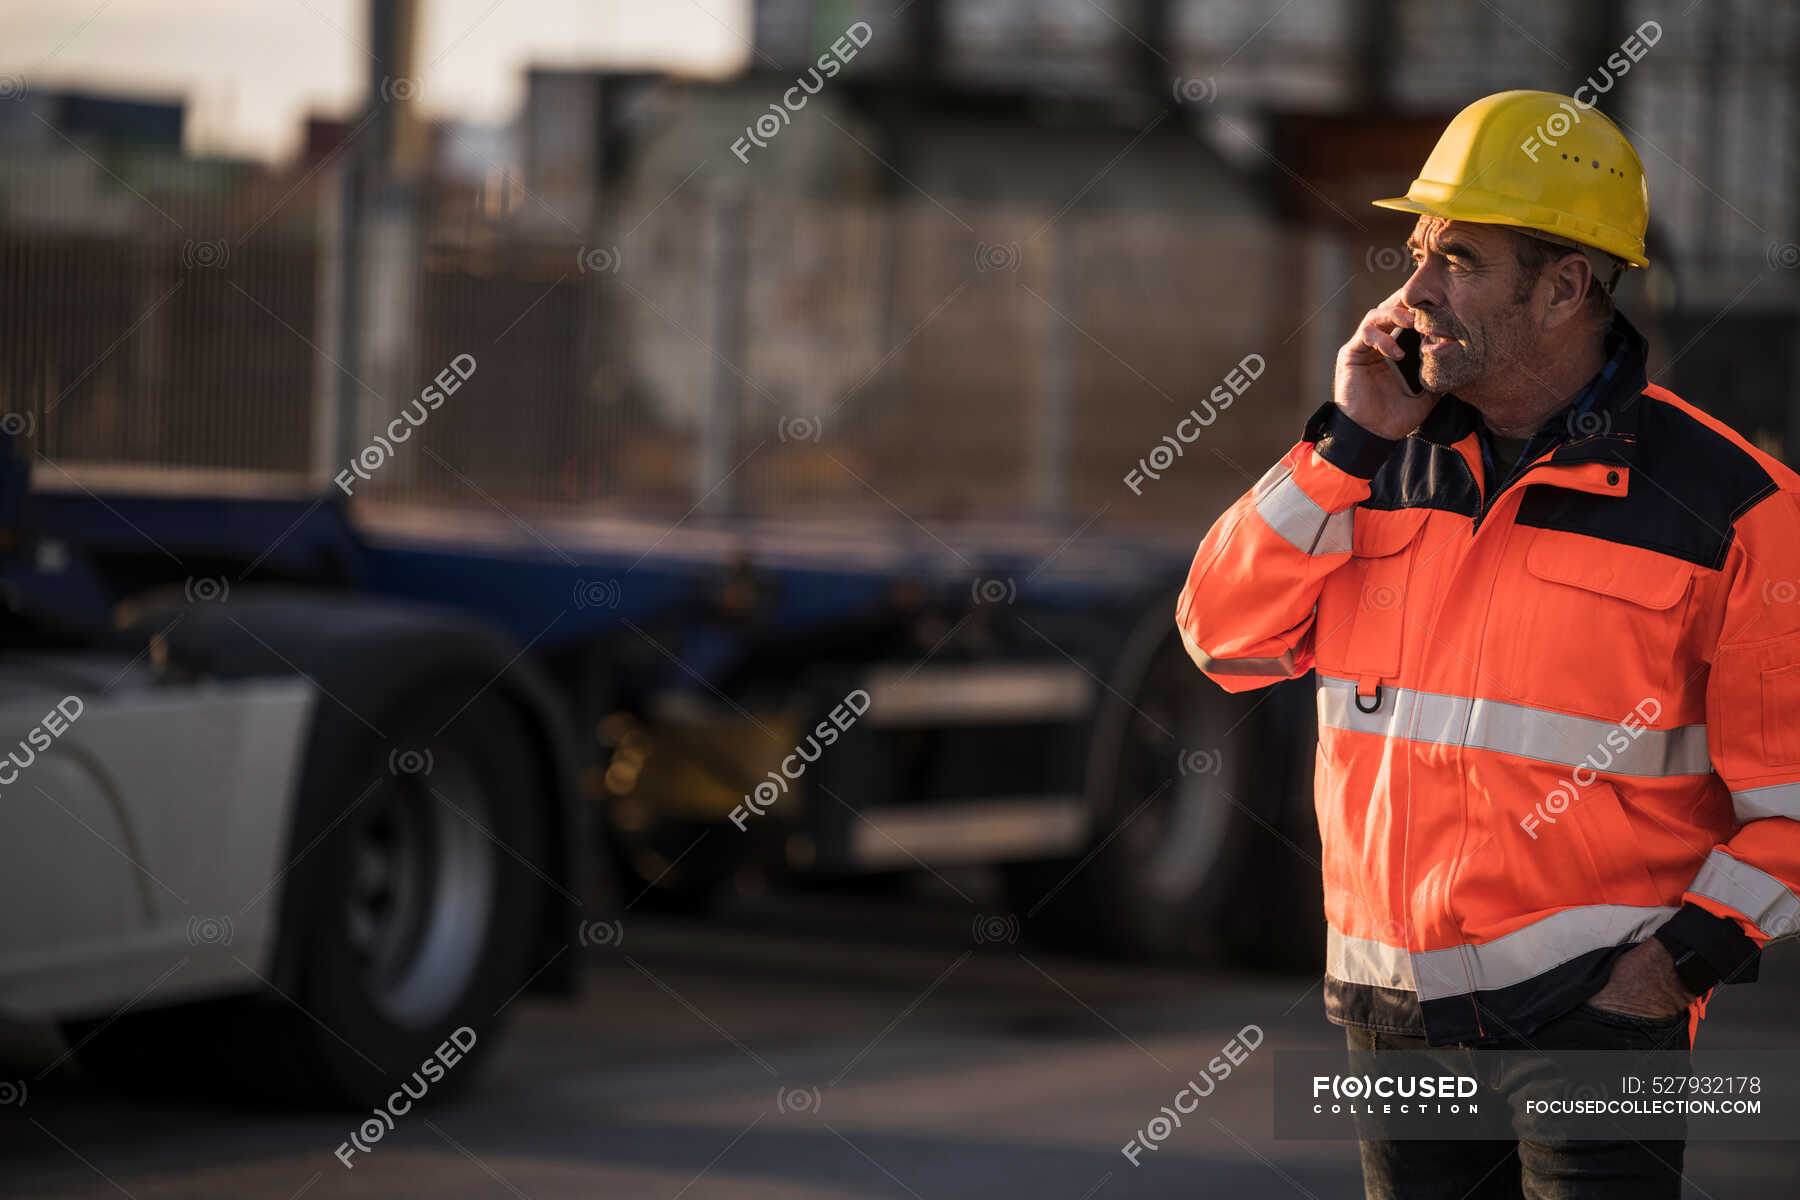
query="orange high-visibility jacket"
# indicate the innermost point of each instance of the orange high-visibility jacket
(1556, 716)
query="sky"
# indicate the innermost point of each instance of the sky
(250, 69)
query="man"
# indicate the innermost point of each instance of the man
(1552, 610)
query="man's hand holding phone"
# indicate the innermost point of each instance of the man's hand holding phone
(1371, 384)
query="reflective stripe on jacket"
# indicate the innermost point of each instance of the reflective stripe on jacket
(1552, 718)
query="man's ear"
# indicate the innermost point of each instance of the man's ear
(1569, 278)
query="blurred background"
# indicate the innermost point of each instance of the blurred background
(1160, 187)
(779, 381)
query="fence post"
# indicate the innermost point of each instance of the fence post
(330, 441)
(1056, 396)
(725, 271)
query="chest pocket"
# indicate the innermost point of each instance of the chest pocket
(1631, 573)
(1362, 608)
(1614, 604)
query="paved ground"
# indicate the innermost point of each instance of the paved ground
(821, 1046)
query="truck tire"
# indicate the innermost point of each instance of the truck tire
(412, 889)
(1285, 929)
(1181, 792)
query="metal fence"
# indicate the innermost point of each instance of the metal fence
(139, 330)
(751, 352)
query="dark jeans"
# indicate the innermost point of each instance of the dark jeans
(1567, 1170)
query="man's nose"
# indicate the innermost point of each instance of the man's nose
(1421, 288)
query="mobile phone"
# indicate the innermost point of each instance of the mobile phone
(1408, 367)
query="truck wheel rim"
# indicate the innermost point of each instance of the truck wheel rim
(421, 889)
(1182, 835)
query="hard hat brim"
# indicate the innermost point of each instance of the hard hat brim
(1464, 204)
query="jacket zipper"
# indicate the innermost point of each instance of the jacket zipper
(1488, 502)
(1463, 774)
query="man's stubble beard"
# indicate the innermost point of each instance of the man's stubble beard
(1440, 376)
(1471, 363)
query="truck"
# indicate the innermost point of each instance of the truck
(290, 799)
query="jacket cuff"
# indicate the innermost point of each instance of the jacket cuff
(1345, 444)
(1722, 952)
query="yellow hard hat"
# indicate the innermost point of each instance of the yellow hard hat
(1538, 161)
